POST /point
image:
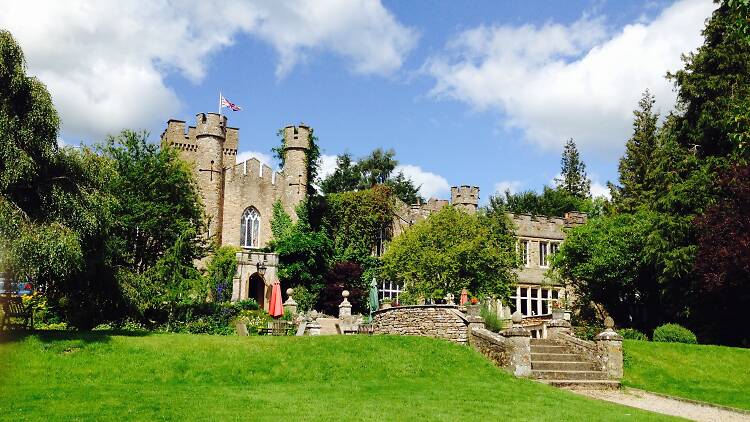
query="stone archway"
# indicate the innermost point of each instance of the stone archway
(257, 289)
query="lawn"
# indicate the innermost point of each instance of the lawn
(714, 374)
(199, 377)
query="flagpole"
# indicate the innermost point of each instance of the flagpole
(219, 104)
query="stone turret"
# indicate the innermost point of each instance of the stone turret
(465, 198)
(296, 147)
(210, 134)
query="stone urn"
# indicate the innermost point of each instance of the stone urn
(558, 313)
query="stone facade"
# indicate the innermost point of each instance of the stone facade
(229, 189)
(444, 321)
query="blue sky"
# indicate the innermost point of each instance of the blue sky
(481, 92)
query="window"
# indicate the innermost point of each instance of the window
(250, 228)
(534, 300)
(389, 290)
(554, 247)
(524, 252)
(543, 254)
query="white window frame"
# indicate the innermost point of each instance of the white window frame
(389, 290)
(534, 304)
(250, 219)
(543, 254)
(523, 251)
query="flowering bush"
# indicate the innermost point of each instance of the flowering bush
(474, 301)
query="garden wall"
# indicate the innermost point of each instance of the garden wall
(442, 321)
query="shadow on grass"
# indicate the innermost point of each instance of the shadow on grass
(51, 336)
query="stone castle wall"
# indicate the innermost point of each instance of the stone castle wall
(444, 321)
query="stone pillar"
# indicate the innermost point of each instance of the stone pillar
(313, 327)
(345, 308)
(290, 305)
(520, 339)
(556, 326)
(609, 345)
(475, 322)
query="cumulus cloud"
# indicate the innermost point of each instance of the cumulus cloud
(558, 81)
(508, 185)
(598, 189)
(327, 165)
(105, 62)
(262, 157)
(430, 184)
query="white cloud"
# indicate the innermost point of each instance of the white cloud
(512, 185)
(262, 157)
(327, 165)
(555, 82)
(598, 189)
(430, 184)
(105, 62)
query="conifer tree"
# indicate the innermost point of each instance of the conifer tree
(573, 179)
(639, 154)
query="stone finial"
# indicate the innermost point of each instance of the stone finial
(609, 323)
(517, 330)
(290, 305)
(345, 308)
(314, 315)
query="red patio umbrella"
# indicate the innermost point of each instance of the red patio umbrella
(275, 308)
(464, 297)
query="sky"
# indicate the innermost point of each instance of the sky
(481, 93)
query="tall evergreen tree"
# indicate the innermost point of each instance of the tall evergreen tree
(344, 178)
(573, 177)
(639, 154)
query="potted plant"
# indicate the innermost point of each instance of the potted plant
(385, 303)
(473, 307)
(558, 311)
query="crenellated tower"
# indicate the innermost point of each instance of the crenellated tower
(465, 198)
(211, 147)
(296, 148)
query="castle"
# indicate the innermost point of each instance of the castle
(238, 199)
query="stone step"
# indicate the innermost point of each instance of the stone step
(568, 375)
(544, 342)
(563, 366)
(549, 349)
(559, 357)
(584, 384)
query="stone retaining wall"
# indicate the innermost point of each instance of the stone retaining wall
(511, 353)
(442, 321)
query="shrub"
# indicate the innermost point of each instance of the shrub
(586, 332)
(247, 305)
(305, 298)
(632, 334)
(254, 320)
(674, 333)
(491, 321)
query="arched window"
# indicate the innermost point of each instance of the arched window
(250, 228)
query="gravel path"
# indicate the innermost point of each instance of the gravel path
(667, 406)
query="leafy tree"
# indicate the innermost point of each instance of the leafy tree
(345, 178)
(604, 261)
(304, 258)
(551, 202)
(404, 189)
(573, 177)
(636, 187)
(55, 209)
(722, 287)
(220, 270)
(344, 276)
(281, 222)
(452, 250)
(376, 168)
(159, 200)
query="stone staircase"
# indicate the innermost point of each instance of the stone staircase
(559, 365)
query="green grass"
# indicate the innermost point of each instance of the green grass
(714, 374)
(197, 377)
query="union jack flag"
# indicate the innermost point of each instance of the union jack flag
(226, 103)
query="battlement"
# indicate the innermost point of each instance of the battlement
(465, 195)
(251, 169)
(297, 137)
(210, 124)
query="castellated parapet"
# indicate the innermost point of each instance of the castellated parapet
(229, 188)
(465, 198)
